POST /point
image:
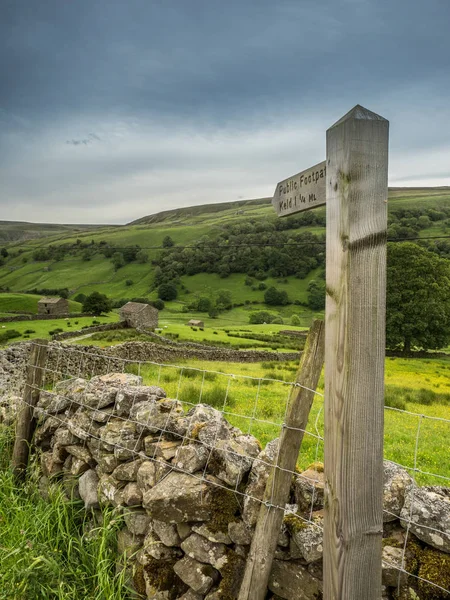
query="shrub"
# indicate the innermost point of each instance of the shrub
(190, 393)
(97, 303)
(276, 297)
(210, 376)
(129, 282)
(277, 321)
(9, 335)
(216, 397)
(393, 397)
(204, 305)
(295, 320)
(167, 291)
(158, 304)
(260, 317)
(191, 373)
(29, 331)
(55, 331)
(426, 397)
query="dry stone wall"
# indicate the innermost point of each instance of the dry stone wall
(66, 335)
(33, 317)
(189, 487)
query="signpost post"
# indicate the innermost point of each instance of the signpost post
(352, 182)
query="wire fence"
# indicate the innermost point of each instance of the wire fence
(256, 406)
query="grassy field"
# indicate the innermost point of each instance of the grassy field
(41, 329)
(254, 396)
(27, 303)
(185, 226)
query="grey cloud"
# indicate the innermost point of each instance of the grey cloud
(85, 141)
(118, 109)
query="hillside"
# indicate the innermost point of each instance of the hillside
(235, 246)
(21, 231)
(192, 211)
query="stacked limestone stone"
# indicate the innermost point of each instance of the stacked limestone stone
(189, 486)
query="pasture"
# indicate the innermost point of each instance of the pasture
(253, 397)
(27, 303)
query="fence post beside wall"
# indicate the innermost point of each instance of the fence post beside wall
(357, 168)
(26, 423)
(270, 518)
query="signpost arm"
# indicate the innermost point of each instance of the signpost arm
(357, 168)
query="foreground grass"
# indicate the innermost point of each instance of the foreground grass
(44, 553)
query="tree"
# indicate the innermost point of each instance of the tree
(167, 242)
(260, 317)
(223, 300)
(96, 303)
(295, 321)
(158, 304)
(118, 260)
(276, 297)
(204, 304)
(142, 257)
(4, 252)
(130, 253)
(316, 295)
(418, 298)
(167, 291)
(80, 298)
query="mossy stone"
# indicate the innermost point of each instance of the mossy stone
(434, 567)
(224, 508)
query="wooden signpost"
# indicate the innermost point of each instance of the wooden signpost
(352, 182)
(303, 191)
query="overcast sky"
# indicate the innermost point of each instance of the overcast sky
(111, 110)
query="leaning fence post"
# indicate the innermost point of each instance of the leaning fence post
(270, 518)
(26, 424)
(357, 168)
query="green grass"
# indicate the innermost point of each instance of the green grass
(199, 285)
(258, 407)
(46, 551)
(42, 329)
(27, 303)
(185, 226)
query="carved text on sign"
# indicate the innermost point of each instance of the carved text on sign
(302, 191)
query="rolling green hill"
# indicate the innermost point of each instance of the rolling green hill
(21, 231)
(83, 266)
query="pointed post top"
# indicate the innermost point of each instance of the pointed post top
(359, 113)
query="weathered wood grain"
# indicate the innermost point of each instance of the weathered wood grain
(26, 423)
(357, 169)
(264, 543)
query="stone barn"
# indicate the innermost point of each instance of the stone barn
(58, 307)
(137, 314)
(196, 323)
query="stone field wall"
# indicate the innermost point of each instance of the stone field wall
(189, 487)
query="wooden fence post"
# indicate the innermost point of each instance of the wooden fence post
(268, 527)
(357, 168)
(26, 423)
